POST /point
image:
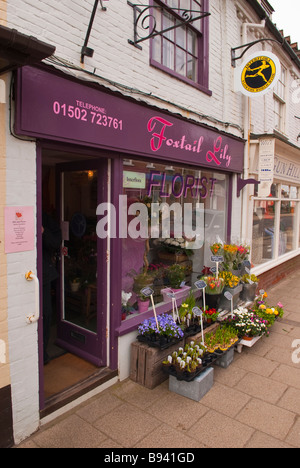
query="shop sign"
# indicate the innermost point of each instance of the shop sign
(285, 169)
(134, 180)
(266, 166)
(60, 109)
(258, 74)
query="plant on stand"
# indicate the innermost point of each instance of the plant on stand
(214, 290)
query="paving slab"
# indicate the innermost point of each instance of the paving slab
(255, 403)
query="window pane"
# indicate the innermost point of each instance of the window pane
(181, 37)
(263, 239)
(168, 54)
(180, 61)
(192, 43)
(287, 227)
(192, 68)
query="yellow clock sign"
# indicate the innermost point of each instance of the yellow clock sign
(258, 74)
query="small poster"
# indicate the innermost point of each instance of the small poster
(19, 229)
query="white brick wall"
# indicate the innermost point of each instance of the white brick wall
(64, 23)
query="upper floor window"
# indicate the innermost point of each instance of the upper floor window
(280, 101)
(182, 51)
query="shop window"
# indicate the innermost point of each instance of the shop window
(181, 51)
(204, 193)
(275, 224)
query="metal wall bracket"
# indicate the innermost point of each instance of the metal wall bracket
(247, 47)
(241, 183)
(144, 21)
(87, 51)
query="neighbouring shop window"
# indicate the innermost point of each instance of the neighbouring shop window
(169, 185)
(276, 224)
(180, 51)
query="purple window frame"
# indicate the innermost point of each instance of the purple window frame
(203, 53)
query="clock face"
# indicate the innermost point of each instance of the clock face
(78, 225)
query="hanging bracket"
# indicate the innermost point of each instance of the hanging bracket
(247, 47)
(241, 183)
(145, 23)
(87, 51)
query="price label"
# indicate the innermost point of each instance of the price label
(217, 258)
(228, 295)
(200, 284)
(197, 312)
(147, 292)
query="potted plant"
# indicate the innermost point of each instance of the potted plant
(210, 315)
(188, 321)
(143, 303)
(186, 363)
(231, 285)
(126, 308)
(174, 250)
(248, 324)
(175, 275)
(213, 292)
(165, 335)
(250, 283)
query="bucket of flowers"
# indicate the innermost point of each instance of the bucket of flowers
(266, 312)
(167, 334)
(250, 283)
(186, 363)
(214, 290)
(232, 284)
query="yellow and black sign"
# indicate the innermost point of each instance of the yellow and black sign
(259, 73)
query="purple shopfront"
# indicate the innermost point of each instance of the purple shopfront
(86, 138)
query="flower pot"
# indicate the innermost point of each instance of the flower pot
(213, 300)
(143, 306)
(248, 293)
(180, 294)
(248, 338)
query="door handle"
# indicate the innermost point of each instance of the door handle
(34, 317)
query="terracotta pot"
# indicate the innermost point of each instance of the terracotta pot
(248, 338)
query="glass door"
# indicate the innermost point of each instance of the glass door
(82, 311)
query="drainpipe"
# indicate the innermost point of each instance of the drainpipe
(247, 129)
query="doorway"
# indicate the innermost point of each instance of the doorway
(71, 190)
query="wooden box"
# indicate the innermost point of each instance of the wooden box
(146, 364)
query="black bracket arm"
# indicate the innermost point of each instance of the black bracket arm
(87, 51)
(247, 47)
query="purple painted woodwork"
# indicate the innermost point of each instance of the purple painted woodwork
(58, 108)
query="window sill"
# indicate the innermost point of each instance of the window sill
(260, 269)
(175, 75)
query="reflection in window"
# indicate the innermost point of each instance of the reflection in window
(157, 183)
(263, 235)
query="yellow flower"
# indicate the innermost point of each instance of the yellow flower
(262, 307)
(269, 311)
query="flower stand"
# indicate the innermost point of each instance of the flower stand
(146, 364)
(247, 343)
(196, 389)
(248, 293)
(226, 360)
(225, 303)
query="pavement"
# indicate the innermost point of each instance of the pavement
(255, 403)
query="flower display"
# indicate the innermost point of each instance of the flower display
(217, 249)
(267, 312)
(211, 314)
(214, 285)
(247, 279)
(221, 339)
(178, 246)
(166, 327)
(187, 359)
(231, 281)
(247, 323)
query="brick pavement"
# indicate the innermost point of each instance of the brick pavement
(254, 403)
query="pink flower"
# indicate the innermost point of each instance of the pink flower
(279, 305)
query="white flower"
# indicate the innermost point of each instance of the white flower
(125, 298)
(170, 360)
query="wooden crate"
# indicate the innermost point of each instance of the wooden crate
(146, 364)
